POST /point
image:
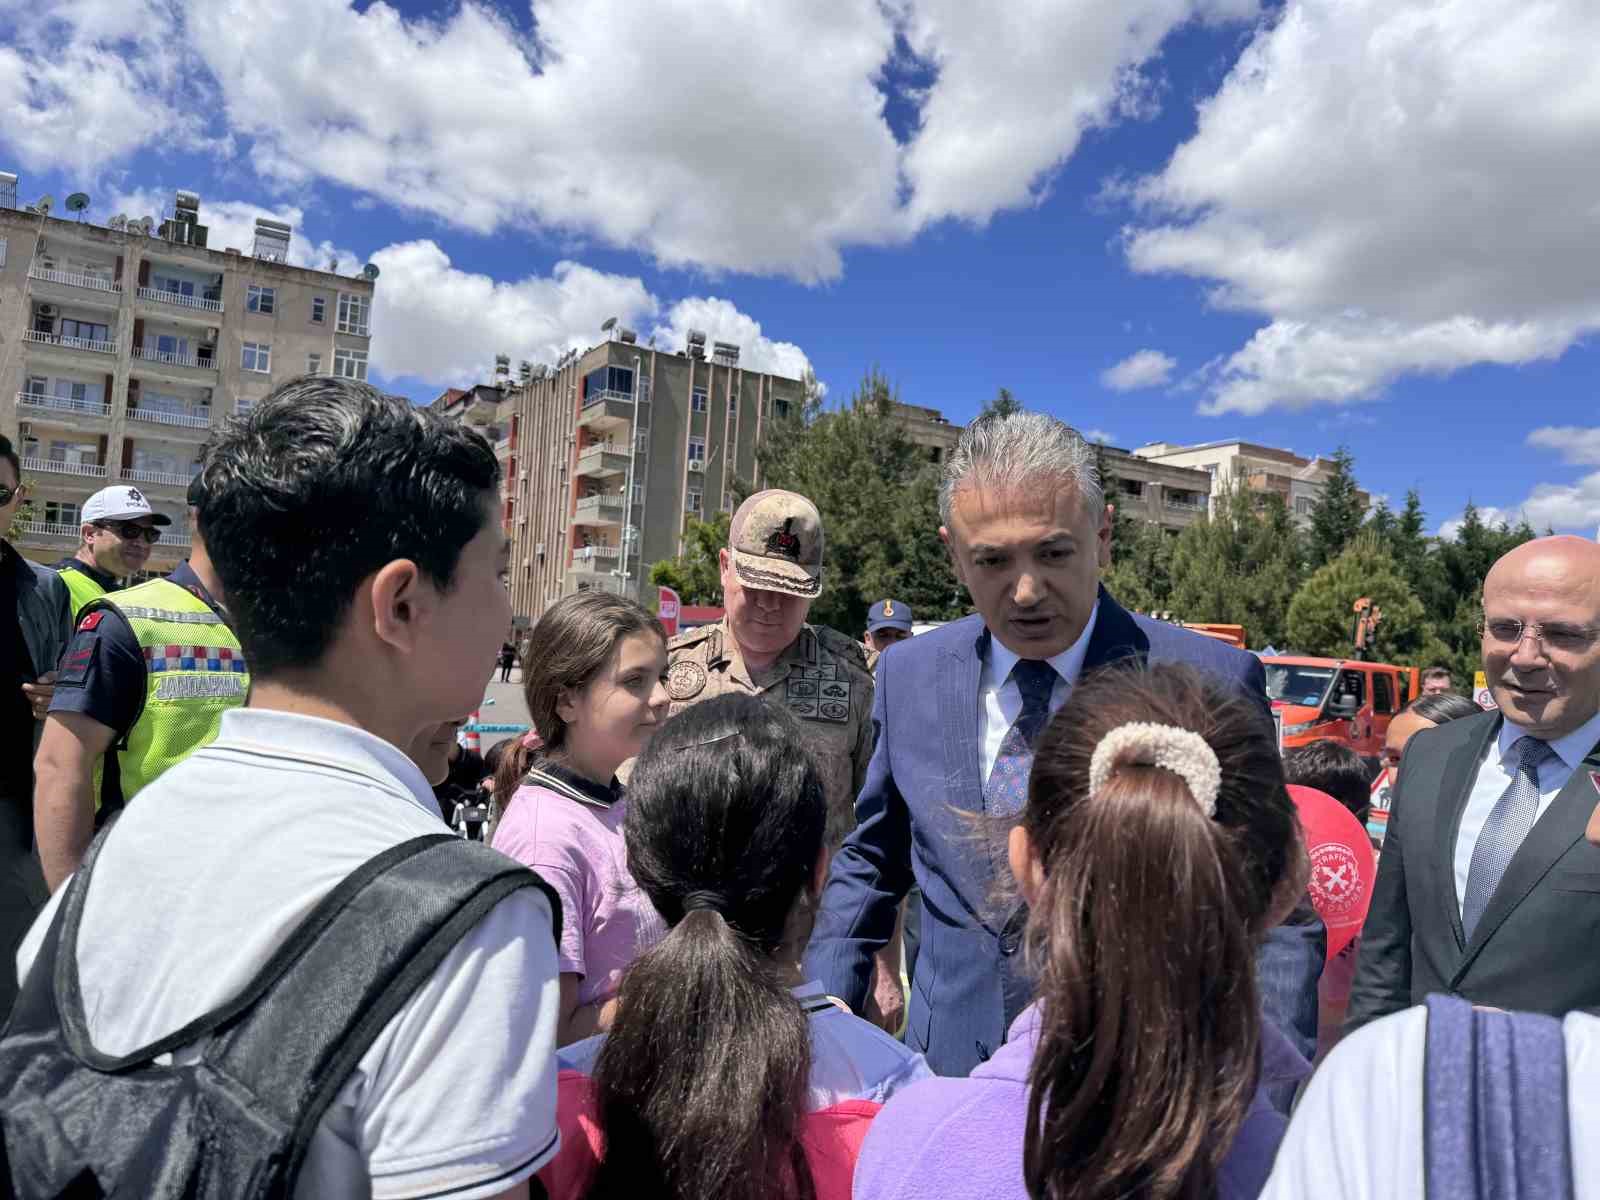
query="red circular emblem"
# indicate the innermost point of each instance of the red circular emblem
(1337, 888)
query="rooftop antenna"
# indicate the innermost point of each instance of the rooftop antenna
(77, 202)
(370, 272)
(333, 266)
(44, 204)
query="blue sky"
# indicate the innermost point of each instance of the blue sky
(1315, 222)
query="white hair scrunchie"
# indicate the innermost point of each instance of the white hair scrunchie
(1146, 744)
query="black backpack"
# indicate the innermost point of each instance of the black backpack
(235, 1125)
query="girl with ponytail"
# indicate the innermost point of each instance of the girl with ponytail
(725, 1073)
(1156, 848)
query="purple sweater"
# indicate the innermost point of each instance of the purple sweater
(954, 1138)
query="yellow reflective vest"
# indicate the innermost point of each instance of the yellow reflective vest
(81, 588)
(194, 672)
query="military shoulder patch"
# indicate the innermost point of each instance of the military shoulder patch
(845, 648)
(686, 679)
(93, 619)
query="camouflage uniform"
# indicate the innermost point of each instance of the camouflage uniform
(822, 679)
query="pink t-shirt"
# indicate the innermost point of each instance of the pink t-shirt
(574, 841)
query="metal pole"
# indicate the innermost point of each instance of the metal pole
(627, 498)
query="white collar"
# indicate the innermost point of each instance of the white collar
(317, 741)
(1571, 748)
(1068, 664)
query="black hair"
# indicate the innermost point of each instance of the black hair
(8, 452)
(702, 1079)
(1443, 706)
(1334, 768)
(318, 487)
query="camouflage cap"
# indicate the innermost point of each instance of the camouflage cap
(775, 542)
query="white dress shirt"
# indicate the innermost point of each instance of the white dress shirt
(1000, 699)
(1358, 1133)
(1499, 768)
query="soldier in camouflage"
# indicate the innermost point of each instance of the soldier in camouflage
(771, 571)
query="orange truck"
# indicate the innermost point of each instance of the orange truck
(1347, 700)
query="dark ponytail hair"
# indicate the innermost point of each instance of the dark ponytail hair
(567, 648)
(1145, 930)
(701, 1082)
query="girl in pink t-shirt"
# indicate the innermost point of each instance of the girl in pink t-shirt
(595, 681)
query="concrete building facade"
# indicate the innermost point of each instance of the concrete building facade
(1163, 494)
(1295, 479)
(610, 452)
(122, 346)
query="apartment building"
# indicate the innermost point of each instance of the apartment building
(928, 429)
(1161, 493)
(610, 451)
(1264, 469)
(124, 344)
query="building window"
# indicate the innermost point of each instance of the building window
(61, 512)
(781, 408)
(691, 501)
(313, 364)
(1130, 487)
(319, 309)
(641, 444)
(697, 449)
(638, 493)
(88, 331)
(1303, 505)
(261, 300)
(257, 357)
(697, 400)
(354, 312)
(243, 405)
(733, 403)
(350, 364)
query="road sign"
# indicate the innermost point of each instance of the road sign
(667, 609)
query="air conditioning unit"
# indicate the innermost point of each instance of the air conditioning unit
(697, 464)
(46, 310)
(212, 334)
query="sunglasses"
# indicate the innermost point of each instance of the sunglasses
(129, 532)
(7, 494)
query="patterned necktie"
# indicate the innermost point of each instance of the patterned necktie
(1007, 788)
(1509, 822)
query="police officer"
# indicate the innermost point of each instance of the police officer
(771, 571)
(144, 682)
(119, 527)
(888, 622)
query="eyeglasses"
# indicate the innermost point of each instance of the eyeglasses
(129, 532)
(7, 494)
(1553, 636)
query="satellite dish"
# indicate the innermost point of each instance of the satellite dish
(146, 224)
(333, 266)
(45, 204)
(118, 222)
(608, 324)
(77, 202)
(370, 271)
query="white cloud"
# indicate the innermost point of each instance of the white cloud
(1143, 369)
(1399, 186)
(1099, 435)
(231, 224)
(711, 134)
(721, 321)
(438, 323)
(1565, 507)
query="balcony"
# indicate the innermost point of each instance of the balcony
(49, 533)
(607, 411)
(105, 290)
(596, 558)
(184, 420)
(45, 407)
(1185, 504)
(40, 338)
(174, 535)
(175, 365)
(163, 478)
(178, 300)
(31, 462)
(599, 510)
(600, 462)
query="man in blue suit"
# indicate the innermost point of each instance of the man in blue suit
(957, 711)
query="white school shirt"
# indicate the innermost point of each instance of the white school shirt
(1499, 768)
(1357, 1133)
(851, 1059)
(210, 869)
(1000, 699)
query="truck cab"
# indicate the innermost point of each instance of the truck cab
(1346, 700)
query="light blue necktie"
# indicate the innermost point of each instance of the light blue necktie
(1509, 822)
(1007, 788)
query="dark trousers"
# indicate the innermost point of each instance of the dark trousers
(22, 890)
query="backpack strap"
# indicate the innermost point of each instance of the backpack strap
(1495, 1105)
(354, 973)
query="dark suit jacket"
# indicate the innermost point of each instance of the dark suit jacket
(924, 779)
(1537, 945)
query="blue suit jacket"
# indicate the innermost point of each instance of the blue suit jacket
(913, 822)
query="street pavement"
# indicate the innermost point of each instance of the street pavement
(508, 707)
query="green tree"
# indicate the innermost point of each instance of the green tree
(1239, 565)
(1140, 574)
(21, 517)
(1458, 566)
(1336, 516)
(1003, 405)
(1322, 615)
(695, 574)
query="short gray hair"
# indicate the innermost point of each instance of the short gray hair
(1016, 449)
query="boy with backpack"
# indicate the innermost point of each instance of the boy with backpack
(275, 973)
